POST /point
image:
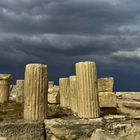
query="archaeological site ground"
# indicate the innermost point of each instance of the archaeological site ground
(81, 107)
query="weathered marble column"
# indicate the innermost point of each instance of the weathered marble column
(88, 102)
(5, 87)
(64, 86)
(73, 94)
(20, 91)
(35, 92)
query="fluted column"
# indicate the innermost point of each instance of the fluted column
(88, 102)
(5, 87)
(64, 86)
(73, 94)
(20, 91)
(35, 92)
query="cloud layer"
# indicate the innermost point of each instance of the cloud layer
(62, 32)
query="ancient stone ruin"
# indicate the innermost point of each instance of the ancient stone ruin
(35, 92)
(81, 107)
(64, 92)
(88, 102)
(5, 80)
(73, 94)
(53, 93)
(20, 91)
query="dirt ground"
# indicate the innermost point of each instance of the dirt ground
(12, 111)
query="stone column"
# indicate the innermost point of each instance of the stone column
(5, 87)
(73, 94)
(88, 102)
(64, 92)
(35, 92)
(20, 91)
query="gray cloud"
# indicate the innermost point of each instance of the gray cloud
(62, 32)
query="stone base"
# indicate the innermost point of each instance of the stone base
(107, 99)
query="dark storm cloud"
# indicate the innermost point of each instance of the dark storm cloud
(62, 32)
(67, 17)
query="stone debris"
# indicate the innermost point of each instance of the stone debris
(53, 95)
(100, 134)
(93, 129)
(70, 129)
(50, 84)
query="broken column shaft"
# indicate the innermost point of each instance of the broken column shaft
(35, 92)
(88, 102)
(20, 91)
(64, 86)
(73, 94)
(5, 87)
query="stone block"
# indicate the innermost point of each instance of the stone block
(107, 99)
(105, 84)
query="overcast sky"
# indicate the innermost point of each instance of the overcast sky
(62, 32)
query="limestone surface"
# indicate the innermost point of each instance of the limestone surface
(86, 78)
(35, 92)
(111, 127)
(100, 134)
(105, 84)
(71, 129)
(107, 99)
(129, 103)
